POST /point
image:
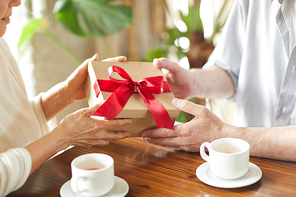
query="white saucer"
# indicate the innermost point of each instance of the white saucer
(204, 174)
(120, 189)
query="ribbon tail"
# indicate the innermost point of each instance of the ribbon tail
(115, 103)
(159, 113)
(166, 87)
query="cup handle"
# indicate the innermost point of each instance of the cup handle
(202, 151)
(76, 188)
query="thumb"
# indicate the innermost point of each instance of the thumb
(91, 110)
(173, 67)
(95, 57)
(86, 62)
(186, 106)
(115, 59)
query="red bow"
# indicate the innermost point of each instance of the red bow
(124, 89)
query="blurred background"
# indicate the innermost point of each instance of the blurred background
(49, 39)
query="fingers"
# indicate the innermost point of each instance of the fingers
(161, 136)
(93, 58)
(91, 110)
(103, 138)
(160, 133)
(107, 124)
(188, 106)
(80, 129)
(167, 142)
(114, 136)
(98, 137)
(115, 59)
(113, 124)
(90, 143)
(108, 135)
(164, 137)
(166, 64)
(182, 138)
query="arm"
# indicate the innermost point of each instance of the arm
(269, 142)
(273, 142)
(15, 165)
(212, 82)
(77, 128)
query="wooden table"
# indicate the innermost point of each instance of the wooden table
(152, 170)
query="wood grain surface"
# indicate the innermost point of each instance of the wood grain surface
(152, 170)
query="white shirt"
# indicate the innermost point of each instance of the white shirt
(21, 122)
(255, 50)
(293, 24)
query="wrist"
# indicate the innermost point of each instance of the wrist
(62, 140)
(55, 100)
(231, 131)
(65, 93)
(196, 81)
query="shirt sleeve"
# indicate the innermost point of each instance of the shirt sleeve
(228, 52)
(15, 167)
(45, 125)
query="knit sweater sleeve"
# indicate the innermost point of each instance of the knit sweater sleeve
(38, 110)
(15, 167)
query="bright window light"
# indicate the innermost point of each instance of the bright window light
(206, 15)
(176, 42)
(181, 5)
(181, 26)
(184, 63)
(184, 43)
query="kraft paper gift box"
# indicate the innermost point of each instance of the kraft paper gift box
(135, 107)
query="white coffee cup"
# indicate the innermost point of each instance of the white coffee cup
(228, 157)
(92, 174)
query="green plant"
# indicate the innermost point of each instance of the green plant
(87, 18)
(193, 23)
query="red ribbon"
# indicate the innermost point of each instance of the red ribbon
(124, 89)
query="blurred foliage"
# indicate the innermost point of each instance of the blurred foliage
(93, 18)
(173, 34)
(87, 18)
(193, 23)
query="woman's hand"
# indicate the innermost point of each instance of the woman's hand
(80, 129)
(72, 89)
(74, 84)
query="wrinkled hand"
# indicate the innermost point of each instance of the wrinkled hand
(74, 84)
(188, 136)
(180, 80)
(80, 129)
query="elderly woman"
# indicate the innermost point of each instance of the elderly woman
(25, 140)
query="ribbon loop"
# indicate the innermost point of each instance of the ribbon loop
(124, 89)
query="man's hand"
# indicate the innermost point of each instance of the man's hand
(206, 126)
(180, 80)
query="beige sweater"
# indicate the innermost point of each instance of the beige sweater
(21, 122)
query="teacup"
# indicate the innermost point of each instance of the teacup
(92, 174)
(228, 157)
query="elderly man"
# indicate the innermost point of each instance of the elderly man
(254, 65)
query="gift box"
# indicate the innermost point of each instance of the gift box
(136, 90)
